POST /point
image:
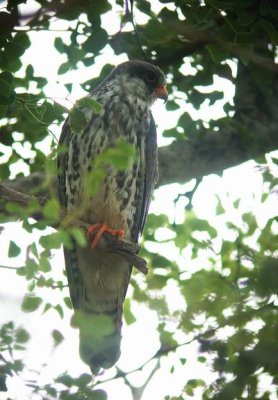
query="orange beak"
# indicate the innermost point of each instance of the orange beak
(161, 92)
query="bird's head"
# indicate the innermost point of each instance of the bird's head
(142, 79)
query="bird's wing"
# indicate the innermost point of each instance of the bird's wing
(149, 178)
(72, 270)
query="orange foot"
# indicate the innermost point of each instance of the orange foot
(101, 228)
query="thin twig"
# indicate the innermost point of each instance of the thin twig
(138, 391)
(7, 267)
(161, 352)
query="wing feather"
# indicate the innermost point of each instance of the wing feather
(149, 178)
(75, 281)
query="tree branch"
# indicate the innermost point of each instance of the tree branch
(198, 39)
(182, 161)
(128, 251)
(163, 351)
(138, 391)
(251, 133)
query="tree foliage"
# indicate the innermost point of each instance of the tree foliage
(228, 301)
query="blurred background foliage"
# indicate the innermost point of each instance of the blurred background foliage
(228, 302)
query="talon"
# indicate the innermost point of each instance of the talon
(101, 229)
(91, 229)
(117, 232)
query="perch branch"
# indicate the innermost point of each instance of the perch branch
(128, 251)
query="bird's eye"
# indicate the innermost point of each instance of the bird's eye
(150, 77)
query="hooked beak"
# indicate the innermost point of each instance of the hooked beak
(161, 92)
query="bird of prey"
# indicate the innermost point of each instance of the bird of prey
(98, 281)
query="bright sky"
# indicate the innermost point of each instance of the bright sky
(140, 340)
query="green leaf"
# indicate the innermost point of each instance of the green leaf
(69, 87)
(166, 338)
(77, 120)
(31, 303)
(119, 156)
(3, 112)
(65, 67)
(34, 250)
(251, 222)
(214, 96)
(59, 109)
(128, 315)
(187, 123)
(79, 236)
(65, 379)
(183, 360)
(22, 39)
(171, 105)
(90, 103)
(84, 380)
(95, 325)
(68, 302)
(47, 307)
(57, 336)
(31, 268)
(51, 210)
(18, 365)
(96, 41)
(217, 54)
(21, 271)
(267, 283)
(13, 51)
(7, 22)
(6, 76)
(22, 336)
(49, 115)
(56, 240)
(44, 264)
(59, 310)
(219, 207)
(59, 45)
(29, 71)
(99, 395)
(5, 91)
(14, 250)
(174, 133)
(92, 83)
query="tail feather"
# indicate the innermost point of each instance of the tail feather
(99, 287)
(100, 352)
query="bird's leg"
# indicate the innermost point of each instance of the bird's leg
(92, 229)
(101, 228)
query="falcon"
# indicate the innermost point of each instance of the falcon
(98, 280)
